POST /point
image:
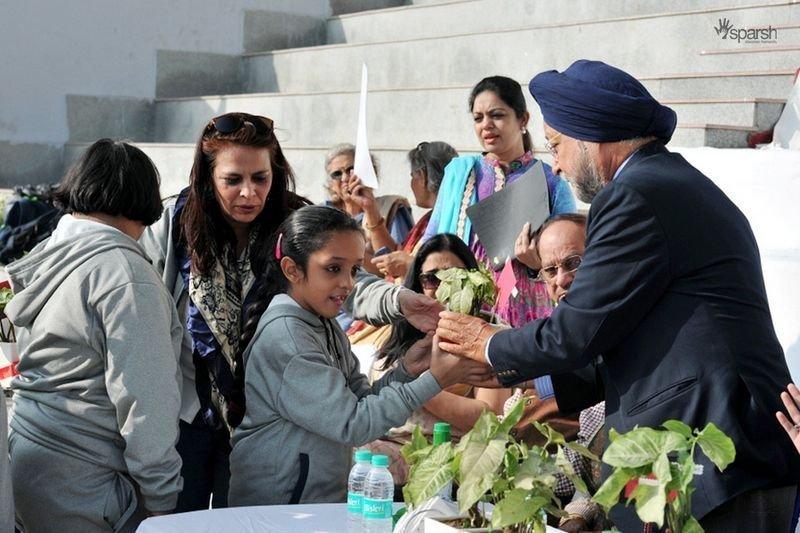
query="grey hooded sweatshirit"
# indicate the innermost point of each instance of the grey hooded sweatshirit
(308, 405)
(99, 381)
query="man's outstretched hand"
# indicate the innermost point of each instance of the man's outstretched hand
(421, 311)
(463, 335)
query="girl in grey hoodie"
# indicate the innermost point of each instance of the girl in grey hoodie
(308, 404)
(95, 414)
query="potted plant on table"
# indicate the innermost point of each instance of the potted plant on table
(654, 469)
(467, 291)
(489, 466)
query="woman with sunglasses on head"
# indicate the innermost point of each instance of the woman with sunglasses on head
(500, 118)
(460, 405)
(209, 246)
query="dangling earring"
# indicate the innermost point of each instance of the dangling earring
(524, 131)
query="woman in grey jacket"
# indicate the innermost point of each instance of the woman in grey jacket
(308, 403)
(94, 420)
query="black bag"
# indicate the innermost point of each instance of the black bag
(30, 218)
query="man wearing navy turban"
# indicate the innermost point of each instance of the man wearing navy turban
(667, 317)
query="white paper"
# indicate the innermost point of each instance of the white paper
(363, 164)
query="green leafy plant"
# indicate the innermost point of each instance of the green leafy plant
(489, 465)
(466, 291)
(7, 333)
(654, 469)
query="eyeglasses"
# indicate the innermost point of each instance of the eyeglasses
(567, 266)
(232, 122)
(429, 281)
(337, 174)
(548, 143)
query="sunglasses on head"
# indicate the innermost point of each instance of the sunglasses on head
(232, 122)
(429, 281)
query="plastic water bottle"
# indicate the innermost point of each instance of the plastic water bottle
(441, 435)
(355, 490)
(378, 497)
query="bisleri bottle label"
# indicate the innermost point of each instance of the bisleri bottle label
(377, 509)
(354, 502)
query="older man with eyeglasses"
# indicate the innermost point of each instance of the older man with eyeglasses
(669, 303)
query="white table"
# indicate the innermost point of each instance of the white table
(305, 518)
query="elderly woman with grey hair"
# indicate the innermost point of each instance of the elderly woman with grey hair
(427, 162)
(386, 219)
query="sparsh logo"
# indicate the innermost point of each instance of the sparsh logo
(728, 31)
(723, 27)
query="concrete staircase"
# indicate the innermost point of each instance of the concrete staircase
(425, 57)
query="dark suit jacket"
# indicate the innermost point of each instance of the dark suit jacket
(671, 293)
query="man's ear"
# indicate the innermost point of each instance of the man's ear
(291, 270)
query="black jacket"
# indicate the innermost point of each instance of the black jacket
(671, 293)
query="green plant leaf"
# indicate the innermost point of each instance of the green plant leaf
(433, 473)
(686, 467)
(717, 446)
(692, 526)
(678, 427)
(567, 469)
(418, 442)
(650, 502)
(607, 496)
(517, 508)
(612, 435)
(479, 464)
(582, 450)
(443, 292)
(661, 469)
(461, 301)
(484, 430)
(552, 436)
(512, 417)
(477, 279)
(641, 446)
(536, 469)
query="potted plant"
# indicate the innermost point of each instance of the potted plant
(489, 465)
(654, 469)
(466, 291)
(9, 356)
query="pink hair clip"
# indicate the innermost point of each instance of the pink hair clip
(278, 254)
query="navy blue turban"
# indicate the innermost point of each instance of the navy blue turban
(592, 101)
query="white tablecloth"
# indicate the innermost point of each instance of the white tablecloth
(306, 518)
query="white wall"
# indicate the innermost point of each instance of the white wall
(49, 49)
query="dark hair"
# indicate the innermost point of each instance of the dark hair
(113, 178)
(304, 232)
(575, 218)
(510, 92)
(432, 157)
(204, 230)
(403, 333)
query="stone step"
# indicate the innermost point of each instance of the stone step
(174, 160)
(773, 84)
(463, 59)
(442, 19)
(400, 117)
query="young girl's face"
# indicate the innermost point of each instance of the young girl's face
(330, 274)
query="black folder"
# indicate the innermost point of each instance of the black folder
(498, 219)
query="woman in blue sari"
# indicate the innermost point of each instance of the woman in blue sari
(500, 119)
